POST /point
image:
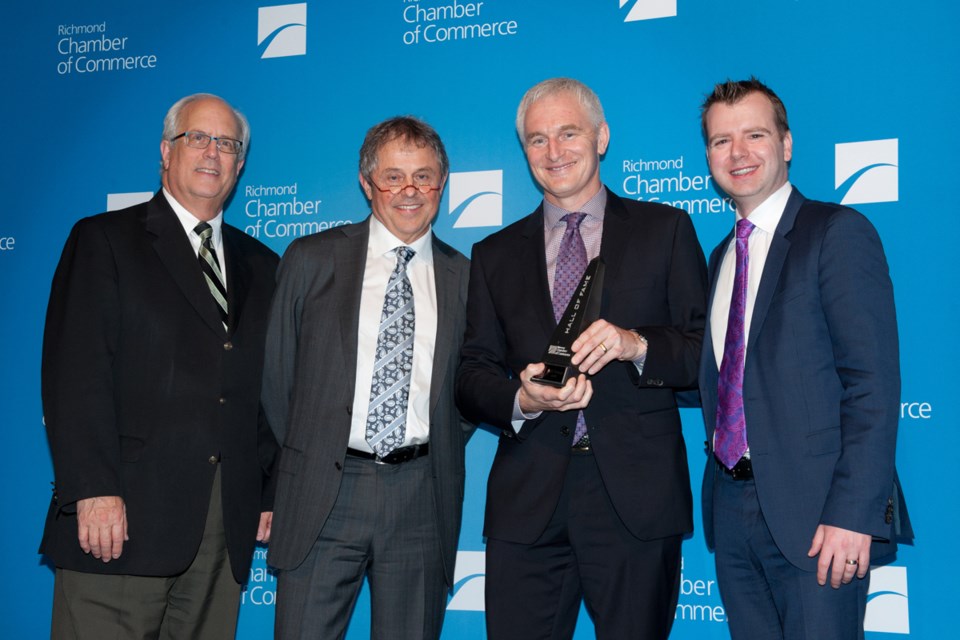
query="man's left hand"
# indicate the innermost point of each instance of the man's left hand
(263, 530)
(603, 342)
(848, 552)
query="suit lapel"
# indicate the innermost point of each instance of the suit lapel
(613, 243)
(531, 258)
(350, 258)
(238, 277)
(447, 281)
(174, 250)
(779, 247)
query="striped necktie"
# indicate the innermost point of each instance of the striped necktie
(211, 269)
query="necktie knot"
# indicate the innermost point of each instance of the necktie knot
(573, 220)
(744, 228)
(204, 230)
(404, 255)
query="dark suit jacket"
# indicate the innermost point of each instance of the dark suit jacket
(309, 385)
(656, 283)
(821, 382)
(142, 386)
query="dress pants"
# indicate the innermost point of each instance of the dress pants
(382, 527)
(630, 586)
(765, 596)
(201, 603)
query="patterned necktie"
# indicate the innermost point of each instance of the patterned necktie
(730, 439)
(211, 269)
(571, 263)
(393, 364)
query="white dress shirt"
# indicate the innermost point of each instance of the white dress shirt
(189, 222)
(765, 219)
(380, 263)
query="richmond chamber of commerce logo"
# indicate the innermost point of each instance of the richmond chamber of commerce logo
(282, 30)
(867, 171)
(649, 9)
(476, 198)
(469, 581)
(887, 603)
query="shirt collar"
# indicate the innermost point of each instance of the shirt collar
(190, 221)
(383, 242)
(767, 216)
(594, 208)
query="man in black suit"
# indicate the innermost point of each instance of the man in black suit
(362, 352)
(600, 517)
(151, 381)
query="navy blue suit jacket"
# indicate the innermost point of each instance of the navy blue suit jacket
(821, 384)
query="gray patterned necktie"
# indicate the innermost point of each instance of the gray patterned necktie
(393, 364)
(211, 269)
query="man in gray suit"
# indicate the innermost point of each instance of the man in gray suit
(363, 346)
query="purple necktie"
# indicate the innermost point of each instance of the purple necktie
(730, 439)
(571, 263)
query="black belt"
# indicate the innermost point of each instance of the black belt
(743, 470)
(403, 454)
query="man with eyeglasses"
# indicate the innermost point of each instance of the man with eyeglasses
(152, 363)
(362, 350)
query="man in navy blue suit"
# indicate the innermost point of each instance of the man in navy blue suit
(800, 380)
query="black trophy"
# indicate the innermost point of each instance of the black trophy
(581, 312)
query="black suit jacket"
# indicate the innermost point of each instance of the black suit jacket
(142, 387)
(309, 385)
(656, 283)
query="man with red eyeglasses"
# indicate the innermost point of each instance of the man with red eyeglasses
(362, 351)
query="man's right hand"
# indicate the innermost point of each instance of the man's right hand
(536, 397)
(102, 526)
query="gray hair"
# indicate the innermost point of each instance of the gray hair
(584, 95)
(406, 128)
(171, 123)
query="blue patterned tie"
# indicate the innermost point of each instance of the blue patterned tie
(393, 365)
(571, 263)
(730, 438)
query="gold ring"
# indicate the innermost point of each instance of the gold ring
(852, 563)
(603, 346)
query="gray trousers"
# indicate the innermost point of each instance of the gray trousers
(382, 527)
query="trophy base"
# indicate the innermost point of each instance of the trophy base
(555, 375)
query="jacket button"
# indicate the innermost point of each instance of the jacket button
(227, 346)
(212, 459)
(564, 430)
(338, 466)
(223, 401)
(349, 409)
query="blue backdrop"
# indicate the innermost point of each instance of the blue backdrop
(869, 86)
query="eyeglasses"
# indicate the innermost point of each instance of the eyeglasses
(422, 187)
(198, 140)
